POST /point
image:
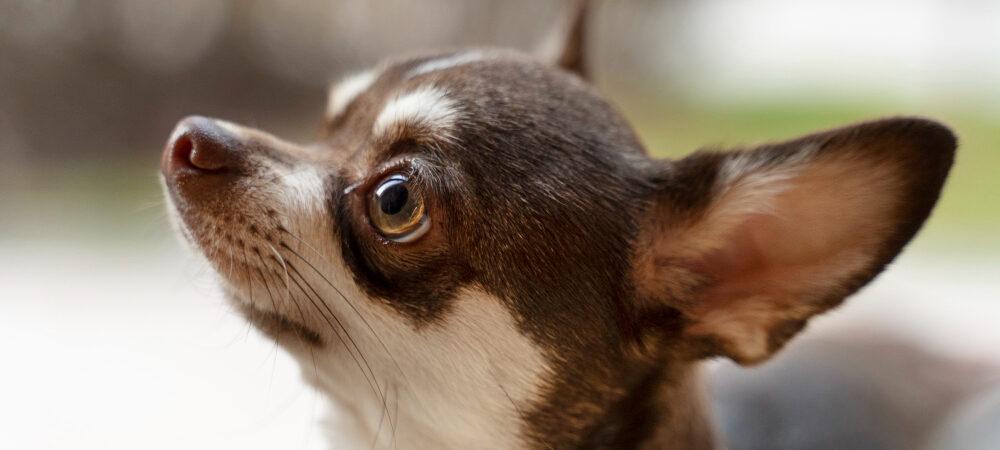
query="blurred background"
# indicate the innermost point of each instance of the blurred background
(112, 335)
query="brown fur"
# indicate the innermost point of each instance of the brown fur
(625, 270)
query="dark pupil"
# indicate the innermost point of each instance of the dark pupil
(393, 199)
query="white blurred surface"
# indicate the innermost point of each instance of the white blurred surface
(903, 49)
(122, 350)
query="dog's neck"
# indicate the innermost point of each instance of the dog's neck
(665, 408)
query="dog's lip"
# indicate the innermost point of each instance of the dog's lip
(275, 322)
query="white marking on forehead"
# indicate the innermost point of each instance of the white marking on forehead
(347, 90)
(447, 62)
(426, 106)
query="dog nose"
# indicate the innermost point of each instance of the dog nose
(200, 145)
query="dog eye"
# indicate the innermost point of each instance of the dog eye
(397, 210)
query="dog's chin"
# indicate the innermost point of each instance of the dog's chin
(281, 328)
(264, 304)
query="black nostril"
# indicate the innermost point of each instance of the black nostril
(180, 151)
(177, 155)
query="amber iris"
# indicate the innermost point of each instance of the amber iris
(397, 209)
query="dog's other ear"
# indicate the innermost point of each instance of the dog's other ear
(565, 45)
(748, 245)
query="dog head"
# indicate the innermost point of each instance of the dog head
(480, 253)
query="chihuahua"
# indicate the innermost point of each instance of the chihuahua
(480, 253)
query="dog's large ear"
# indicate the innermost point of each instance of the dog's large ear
(748, 245)
(565, 46)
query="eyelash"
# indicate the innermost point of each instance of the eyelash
(369, 182)
(408, 167)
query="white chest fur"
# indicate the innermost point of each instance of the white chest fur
(461, 383)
